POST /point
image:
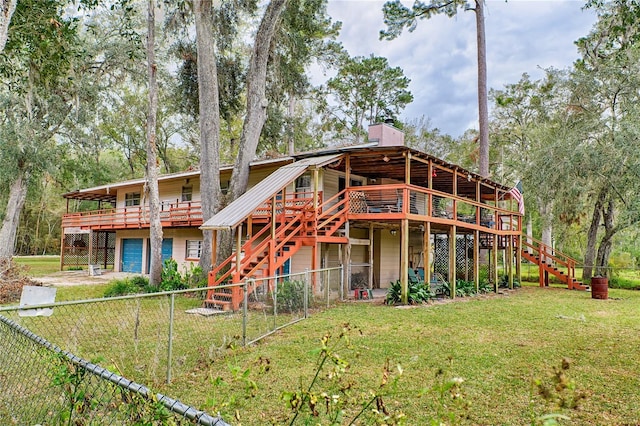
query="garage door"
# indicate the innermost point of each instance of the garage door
(132, 255)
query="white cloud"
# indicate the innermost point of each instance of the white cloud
(440, 55)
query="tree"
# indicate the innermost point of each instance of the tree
(606, 81)
(397, 17)
(37, 67)
(209, 121)
(7, 7)
(367, 90)
(151, 184)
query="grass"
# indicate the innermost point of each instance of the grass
(497, 345)
(39, 266)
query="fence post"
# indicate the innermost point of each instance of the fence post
(342, 280)
(170, 343)
(245, 298)
(305, 293)
(275, 303)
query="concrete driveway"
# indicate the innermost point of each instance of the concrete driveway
(71, 278)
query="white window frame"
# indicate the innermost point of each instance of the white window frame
(131, 199)
(193, 247)
(187, 193)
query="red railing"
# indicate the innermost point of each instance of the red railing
(188, 213)
(396, 201)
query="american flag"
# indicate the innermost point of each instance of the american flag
(516, 194)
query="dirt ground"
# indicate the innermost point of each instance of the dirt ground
(71, 278)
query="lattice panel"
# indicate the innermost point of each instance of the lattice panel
(464, 257)
(441, 255)
(76, 250)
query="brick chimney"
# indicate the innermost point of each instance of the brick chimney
(386, 135)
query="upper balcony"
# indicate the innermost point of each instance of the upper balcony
(179, 214)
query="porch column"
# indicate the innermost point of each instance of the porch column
(214, 248)
(476, 258)
(238, 252)
(316, 185)
(371, 230)
(346, 259)
(519, 258)
(452, 261)
(404, 260)
(510, 260)
(494, 261)
(62, 247)
(426, 252)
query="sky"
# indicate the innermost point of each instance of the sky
(440, 55)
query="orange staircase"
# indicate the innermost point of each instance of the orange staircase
(297, 224)
(551, 262)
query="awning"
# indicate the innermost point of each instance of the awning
(240, 209)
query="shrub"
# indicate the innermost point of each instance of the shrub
(290, 296)
(418, 292)
(121, 287)
(195, 277)
(170, 278)
(504, 282)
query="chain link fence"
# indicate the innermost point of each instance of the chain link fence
(151, 338)
(42, 384)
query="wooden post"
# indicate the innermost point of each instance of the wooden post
(371, 231)
(494, 260)
(238, 252)
(476, 258)
(89, 261)
(404, 260)
(346, 260)
(426, 252)
(452, 261)
(316, 186)
(214, 247)
(510, 260)
(62, 247)
(519, 259)
(407, 168)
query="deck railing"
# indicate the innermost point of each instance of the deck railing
(396, 201)
(187, 213)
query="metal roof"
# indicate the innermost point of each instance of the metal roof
(103, 192)
(238, 210)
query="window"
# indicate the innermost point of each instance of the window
(194, 249)
(303, 182)
(224, 186)
(187, 193)
(132, 199)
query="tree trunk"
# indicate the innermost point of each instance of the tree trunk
(483, 109)
(17, 197)
(291, 131)
(592, 237)
(209, 121)
(547, 228)
(155, 225)
(256, 112)
(604, 250)
(256, 98)
(7, 7)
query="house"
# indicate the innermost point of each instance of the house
(382, 205)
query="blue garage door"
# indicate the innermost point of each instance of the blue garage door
(132, 255)
(167, 251)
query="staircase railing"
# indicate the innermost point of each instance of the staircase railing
(261, 247)
(332, 210)
(548, 258)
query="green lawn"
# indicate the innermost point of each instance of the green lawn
(39, 266)
(498, 345)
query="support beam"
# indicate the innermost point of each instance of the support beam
(404, 261)
(476, 259)
(371, 231)
(519, 258)
(452, 261)
(509, 259)
(426, 252)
